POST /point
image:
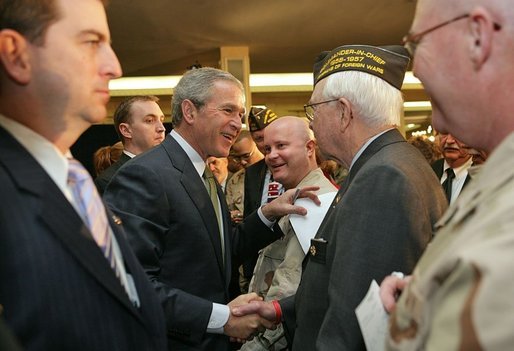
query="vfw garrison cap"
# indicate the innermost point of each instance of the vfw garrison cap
(386, 62)
(259, 118)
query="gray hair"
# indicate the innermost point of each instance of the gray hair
(375, 100)
(196, 85)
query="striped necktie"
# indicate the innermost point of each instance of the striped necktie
(92, 211)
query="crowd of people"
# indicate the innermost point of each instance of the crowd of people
(192, 245)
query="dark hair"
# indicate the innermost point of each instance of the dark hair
(31, 18)
(123, 114)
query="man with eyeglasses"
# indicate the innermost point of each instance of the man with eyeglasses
(177, 219)
(381, 219)
(244, 152)
(460, 293)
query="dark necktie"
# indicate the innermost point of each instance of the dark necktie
(210, 184)
(447, 184)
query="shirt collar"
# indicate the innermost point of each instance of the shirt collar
(196, 159)
(129, 154)
(459, 171)
(46, 154)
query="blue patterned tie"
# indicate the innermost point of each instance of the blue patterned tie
(92, 211)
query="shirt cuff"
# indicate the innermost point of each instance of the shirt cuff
(218, 319)
(264, 220)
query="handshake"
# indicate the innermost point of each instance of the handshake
(249, 316)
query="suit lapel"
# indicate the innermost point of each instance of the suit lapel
(65, 227)
(195, 187)
(59, 216)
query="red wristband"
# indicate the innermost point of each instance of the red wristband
(278, 312)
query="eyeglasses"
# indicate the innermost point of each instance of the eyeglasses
(411, 41)
(243, 157)
(309, 108)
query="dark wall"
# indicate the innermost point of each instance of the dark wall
(93, 139)
(90, 141)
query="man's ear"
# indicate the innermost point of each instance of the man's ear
(125, 130)
(311, 146)
(188, 111)
(14, 56)
(346, 113)
(481, 33)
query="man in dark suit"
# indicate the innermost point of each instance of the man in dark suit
(258, 179)
(68, 280)
(180, 231)
(257, 176)
(138, 122)
(452, 169)
(381, 219)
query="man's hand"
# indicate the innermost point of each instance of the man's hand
(390, 289)
(284, 204)
(236, 216)
(265, 309)
(245, 326)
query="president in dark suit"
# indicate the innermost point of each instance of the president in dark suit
(68, 281)
(381, 220)
(181, 231)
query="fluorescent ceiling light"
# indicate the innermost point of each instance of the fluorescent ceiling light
(260, 82)
(417, 105)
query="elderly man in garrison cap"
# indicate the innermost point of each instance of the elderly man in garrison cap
(381, 220)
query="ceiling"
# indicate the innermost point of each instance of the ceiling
(164, 37)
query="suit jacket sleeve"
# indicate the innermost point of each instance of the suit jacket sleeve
(289, 316)
(252, 235)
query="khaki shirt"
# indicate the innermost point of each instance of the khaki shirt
(461, 296)
(278, 269)
(235, 190)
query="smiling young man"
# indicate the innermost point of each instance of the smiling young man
(181, 231)
(68, 279)
(290, 155)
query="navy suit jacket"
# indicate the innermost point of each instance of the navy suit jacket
(57, 289)
(172, 227)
